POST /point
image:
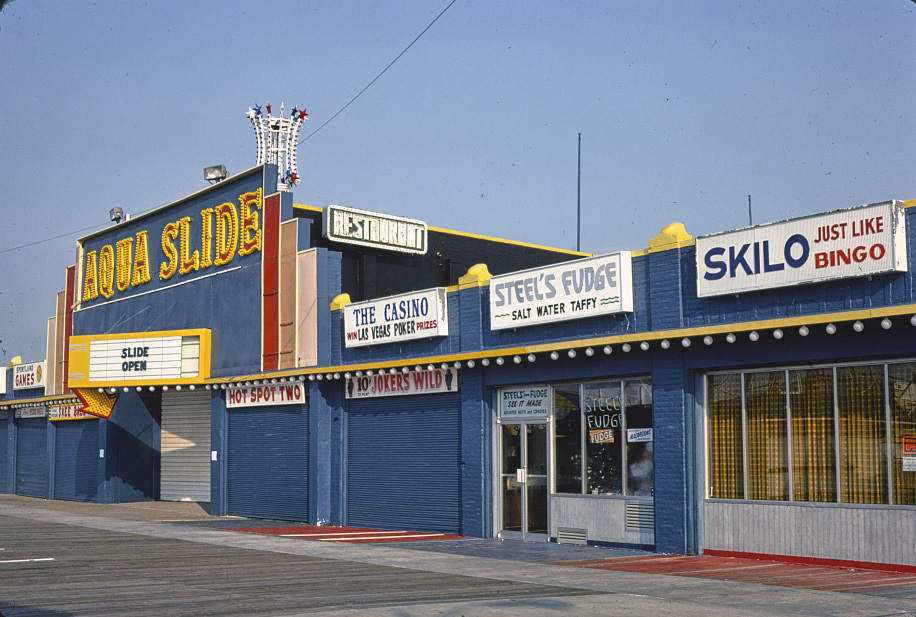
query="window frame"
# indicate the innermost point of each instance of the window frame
(888, 417)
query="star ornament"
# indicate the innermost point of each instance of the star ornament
(252, 114)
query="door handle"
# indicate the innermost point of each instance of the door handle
(521, 475)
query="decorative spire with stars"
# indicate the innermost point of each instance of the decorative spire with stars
(277, 138)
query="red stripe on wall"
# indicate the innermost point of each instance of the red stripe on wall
(270, 284)
(69, 299)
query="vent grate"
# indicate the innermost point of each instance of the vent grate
(571, 535)
(640, 515)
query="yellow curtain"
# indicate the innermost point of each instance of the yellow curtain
(767, 453)
(902, 382)
(726, 466)
(863, 437)
(813, 435)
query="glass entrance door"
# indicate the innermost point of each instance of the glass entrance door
(523, 480)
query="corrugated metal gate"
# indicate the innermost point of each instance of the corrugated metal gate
(76, 460)
(404, 463)
(4, 454)
(185, 462)
(268, 462)
(32, 457)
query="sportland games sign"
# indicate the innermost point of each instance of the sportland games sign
(842, 244)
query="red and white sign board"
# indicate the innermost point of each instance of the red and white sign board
(400, 384)
(292, 393)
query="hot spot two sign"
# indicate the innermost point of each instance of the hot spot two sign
(292, 393)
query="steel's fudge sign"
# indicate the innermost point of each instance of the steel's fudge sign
(571, 290)
(842, 244)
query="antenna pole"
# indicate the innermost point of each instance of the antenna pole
(579, 197)
(750, 216)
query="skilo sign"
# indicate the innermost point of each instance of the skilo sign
(842, 244)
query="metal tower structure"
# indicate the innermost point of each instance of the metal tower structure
(277, 141)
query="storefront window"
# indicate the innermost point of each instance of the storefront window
(602, 442)
(902, 381)
(640, 465)
(726, 445)
(613, 427)
(844, 434)
(863, 434)
(813, 435)
(767, 451)
(568, 439)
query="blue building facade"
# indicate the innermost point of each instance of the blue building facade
(748, 392)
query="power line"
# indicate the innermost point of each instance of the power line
(328, 121)
(69, 233)
(390, 64)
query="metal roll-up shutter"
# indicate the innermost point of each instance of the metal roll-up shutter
(76, 460)
(32, 457)
(404, 463)
(185, 461)
(4, 454)
(268, 462)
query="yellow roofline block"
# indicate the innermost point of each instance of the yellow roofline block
(477, 276)
(340, 301)
(673, 236)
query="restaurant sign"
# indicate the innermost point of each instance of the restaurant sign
(842, 244)
(405, 317)
(380, 231)
(570, 290)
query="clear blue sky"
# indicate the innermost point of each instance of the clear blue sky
(685, 108)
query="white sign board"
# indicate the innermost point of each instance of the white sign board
(31, 412)
(639, 435)
(528, 402)
(400, 384)
(31, 375)
(163, 357)
(2, 381)
(571, 290)
(845, 243)
(292, 393)
(375, 230)
(396, 318)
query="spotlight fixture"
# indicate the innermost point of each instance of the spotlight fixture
(215, 173)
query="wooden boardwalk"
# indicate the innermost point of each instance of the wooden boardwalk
(51, 569)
